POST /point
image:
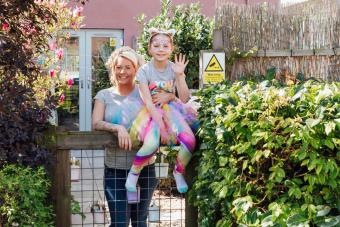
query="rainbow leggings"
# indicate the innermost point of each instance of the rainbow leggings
(145, 130)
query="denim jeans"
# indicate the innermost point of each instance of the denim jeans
(120, 211)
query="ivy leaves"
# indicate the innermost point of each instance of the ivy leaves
(271, 154)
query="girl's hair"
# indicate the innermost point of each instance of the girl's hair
(155, 31)
(125, 52)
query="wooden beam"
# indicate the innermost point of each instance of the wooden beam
(297, 53)
(217, 39)
(191, 212)
(61, 188)
(85, 140)
(274, 53)
(337, 51)
(324, 52)
(301, 53)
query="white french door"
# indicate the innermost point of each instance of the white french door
(85, 53)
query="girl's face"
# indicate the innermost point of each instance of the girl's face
(125, 71)
(160, 47)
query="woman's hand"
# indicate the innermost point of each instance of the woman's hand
(124, 139)
(161, 97)
(180, 64)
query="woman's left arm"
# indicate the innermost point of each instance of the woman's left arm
(181, 84)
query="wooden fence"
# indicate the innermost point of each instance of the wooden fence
(301, 38)
(61, 184)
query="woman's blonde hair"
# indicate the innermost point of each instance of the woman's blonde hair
(125, 52)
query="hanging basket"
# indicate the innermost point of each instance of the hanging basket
(75, 169)
(154, 212)
(161, 168)
(99, 212)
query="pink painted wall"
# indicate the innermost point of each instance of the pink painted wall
(122, 14)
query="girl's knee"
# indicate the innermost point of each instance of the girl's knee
(151, 144)
(187, 139)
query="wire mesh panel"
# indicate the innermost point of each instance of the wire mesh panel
(89, 202)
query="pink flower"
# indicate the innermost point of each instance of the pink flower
(62, 98)
(68, 35)
(52, 73)
(52, 45)
(70, 83)
(59, 53)
(63, 4)
(5, 26)
(77, 11)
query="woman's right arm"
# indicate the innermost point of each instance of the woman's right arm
(98, 123)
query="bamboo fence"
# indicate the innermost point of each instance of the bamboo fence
(304, 36)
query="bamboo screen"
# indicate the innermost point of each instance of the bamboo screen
(313, 25)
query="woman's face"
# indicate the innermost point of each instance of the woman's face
(125, 71)
(160, 48)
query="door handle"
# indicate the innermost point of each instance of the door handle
(89, 81)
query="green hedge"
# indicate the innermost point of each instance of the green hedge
(270, 155)
(23, 197)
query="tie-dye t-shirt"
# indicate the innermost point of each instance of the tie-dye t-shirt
(120, 110)
(155, 79)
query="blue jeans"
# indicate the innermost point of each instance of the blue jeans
(120, 211)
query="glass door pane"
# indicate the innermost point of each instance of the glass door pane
(102, 48)
(68, 113)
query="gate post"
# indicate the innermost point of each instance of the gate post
(61, 188)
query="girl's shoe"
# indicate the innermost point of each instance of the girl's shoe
(181, 184)
(133, 197)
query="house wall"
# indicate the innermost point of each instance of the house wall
(122, 14)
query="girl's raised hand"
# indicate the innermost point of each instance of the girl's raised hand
(180, 64)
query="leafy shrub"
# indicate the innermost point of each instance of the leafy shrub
(29, 69)
(102, 74)
(23, 194)
(194, 33)
(270, 155)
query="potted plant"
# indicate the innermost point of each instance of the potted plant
(161, 167)
(154, 212)
(98, 211)
(75, 169)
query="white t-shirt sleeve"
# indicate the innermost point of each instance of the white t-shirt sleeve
(100, 96)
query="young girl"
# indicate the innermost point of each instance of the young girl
(157, 121)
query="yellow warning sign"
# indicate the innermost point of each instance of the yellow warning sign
(112, 42)
(213, 65)
(211, 77)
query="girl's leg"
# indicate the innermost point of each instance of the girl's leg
(143, 156)
(187, 141)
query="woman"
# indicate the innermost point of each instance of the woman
(115, 109)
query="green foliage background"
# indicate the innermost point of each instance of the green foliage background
(194, 33)
(23, 192)
(270, 155)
